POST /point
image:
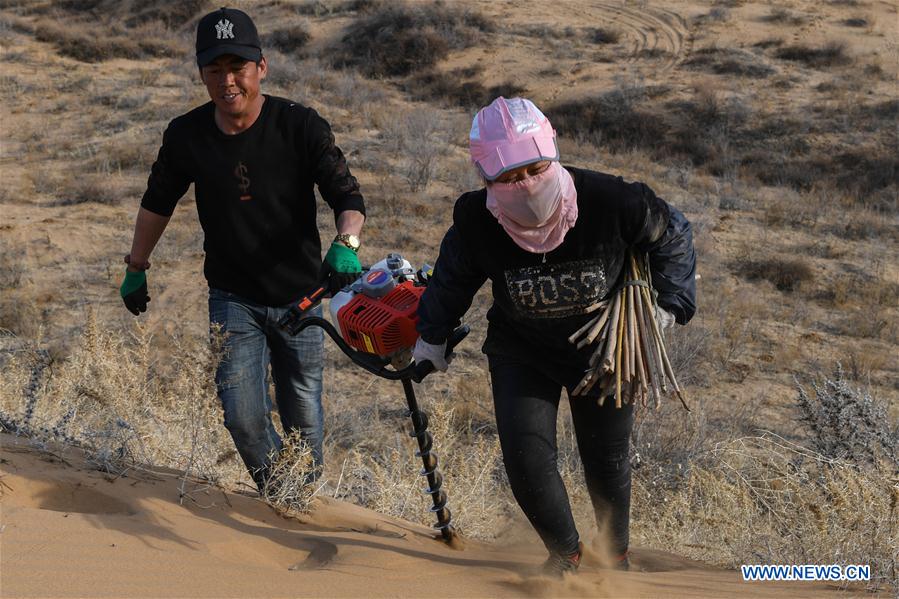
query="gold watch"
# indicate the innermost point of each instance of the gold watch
(349, 240)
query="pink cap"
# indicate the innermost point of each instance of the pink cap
(509, 134)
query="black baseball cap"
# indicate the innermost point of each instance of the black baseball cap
(227, 31)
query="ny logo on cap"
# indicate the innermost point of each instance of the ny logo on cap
(224, 29)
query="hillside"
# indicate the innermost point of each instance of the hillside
(773, 128)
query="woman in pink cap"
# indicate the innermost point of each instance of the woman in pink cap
(553, 241)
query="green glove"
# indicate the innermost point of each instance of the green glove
(341, 267)
(134, 291)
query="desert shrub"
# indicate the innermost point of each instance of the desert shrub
(290, 40)
(729, 61)
(603, 35)
(828, 55)
(616, 119)
(10, 22)
(783, 16)
(773, 42)
(786, 274)
(78, 42)
(20, 314)
(319, 7)
(419, 138)
(122, 154)
(404, 38)
(458, 88)
(865, 224)
(718, 14)
(83, 47)
(289, 486)
(848, 424)
(88, 189)
(173, 15)
(11, 267)
(855, 22)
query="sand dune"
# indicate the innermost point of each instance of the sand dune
(69, 531)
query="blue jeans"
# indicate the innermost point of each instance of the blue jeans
(253, 341)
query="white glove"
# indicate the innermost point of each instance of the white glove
(428, 351)
(664, 318)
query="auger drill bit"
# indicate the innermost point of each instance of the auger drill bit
(429, 461)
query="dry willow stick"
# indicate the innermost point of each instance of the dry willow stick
(629, 358)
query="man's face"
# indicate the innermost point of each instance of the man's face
(233, 83)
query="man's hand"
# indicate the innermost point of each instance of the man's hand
(435, 354)
(341, 267)
(134, 291)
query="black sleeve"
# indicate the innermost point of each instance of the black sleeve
(672, 261)
(168, 181)
(337, 185)
(652, 226)
(451, 289)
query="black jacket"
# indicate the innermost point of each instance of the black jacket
(539, 300)
(255, 195)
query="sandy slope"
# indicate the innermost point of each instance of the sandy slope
(71, 531)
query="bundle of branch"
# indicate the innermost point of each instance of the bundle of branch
(630, 356)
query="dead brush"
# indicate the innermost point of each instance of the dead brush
(848, 424)
(112, 398)
(766, 499)
(289, 486)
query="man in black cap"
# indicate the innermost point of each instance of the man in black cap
(253, 160)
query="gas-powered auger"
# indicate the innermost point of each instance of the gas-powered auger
(377, 316)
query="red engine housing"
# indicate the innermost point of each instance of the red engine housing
(382, 325)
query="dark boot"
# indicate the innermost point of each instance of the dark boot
(556, 565)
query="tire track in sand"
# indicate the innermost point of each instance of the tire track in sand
(650, 30)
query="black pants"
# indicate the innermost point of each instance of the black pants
(527, 402)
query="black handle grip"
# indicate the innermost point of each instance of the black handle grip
(423, 369)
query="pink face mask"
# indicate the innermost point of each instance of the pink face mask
(538, 211)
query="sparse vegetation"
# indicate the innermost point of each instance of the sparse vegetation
(729, 61)
(460, 87)
(290, 40)
(405, 38)
(724, 137)
(80, 44)
(849, 425)
(855, 22)
(786, 274)
(829, 55)
(603, 35)
(784, 16)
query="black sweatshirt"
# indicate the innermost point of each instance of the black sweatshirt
(255, 195)
(539, 299)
